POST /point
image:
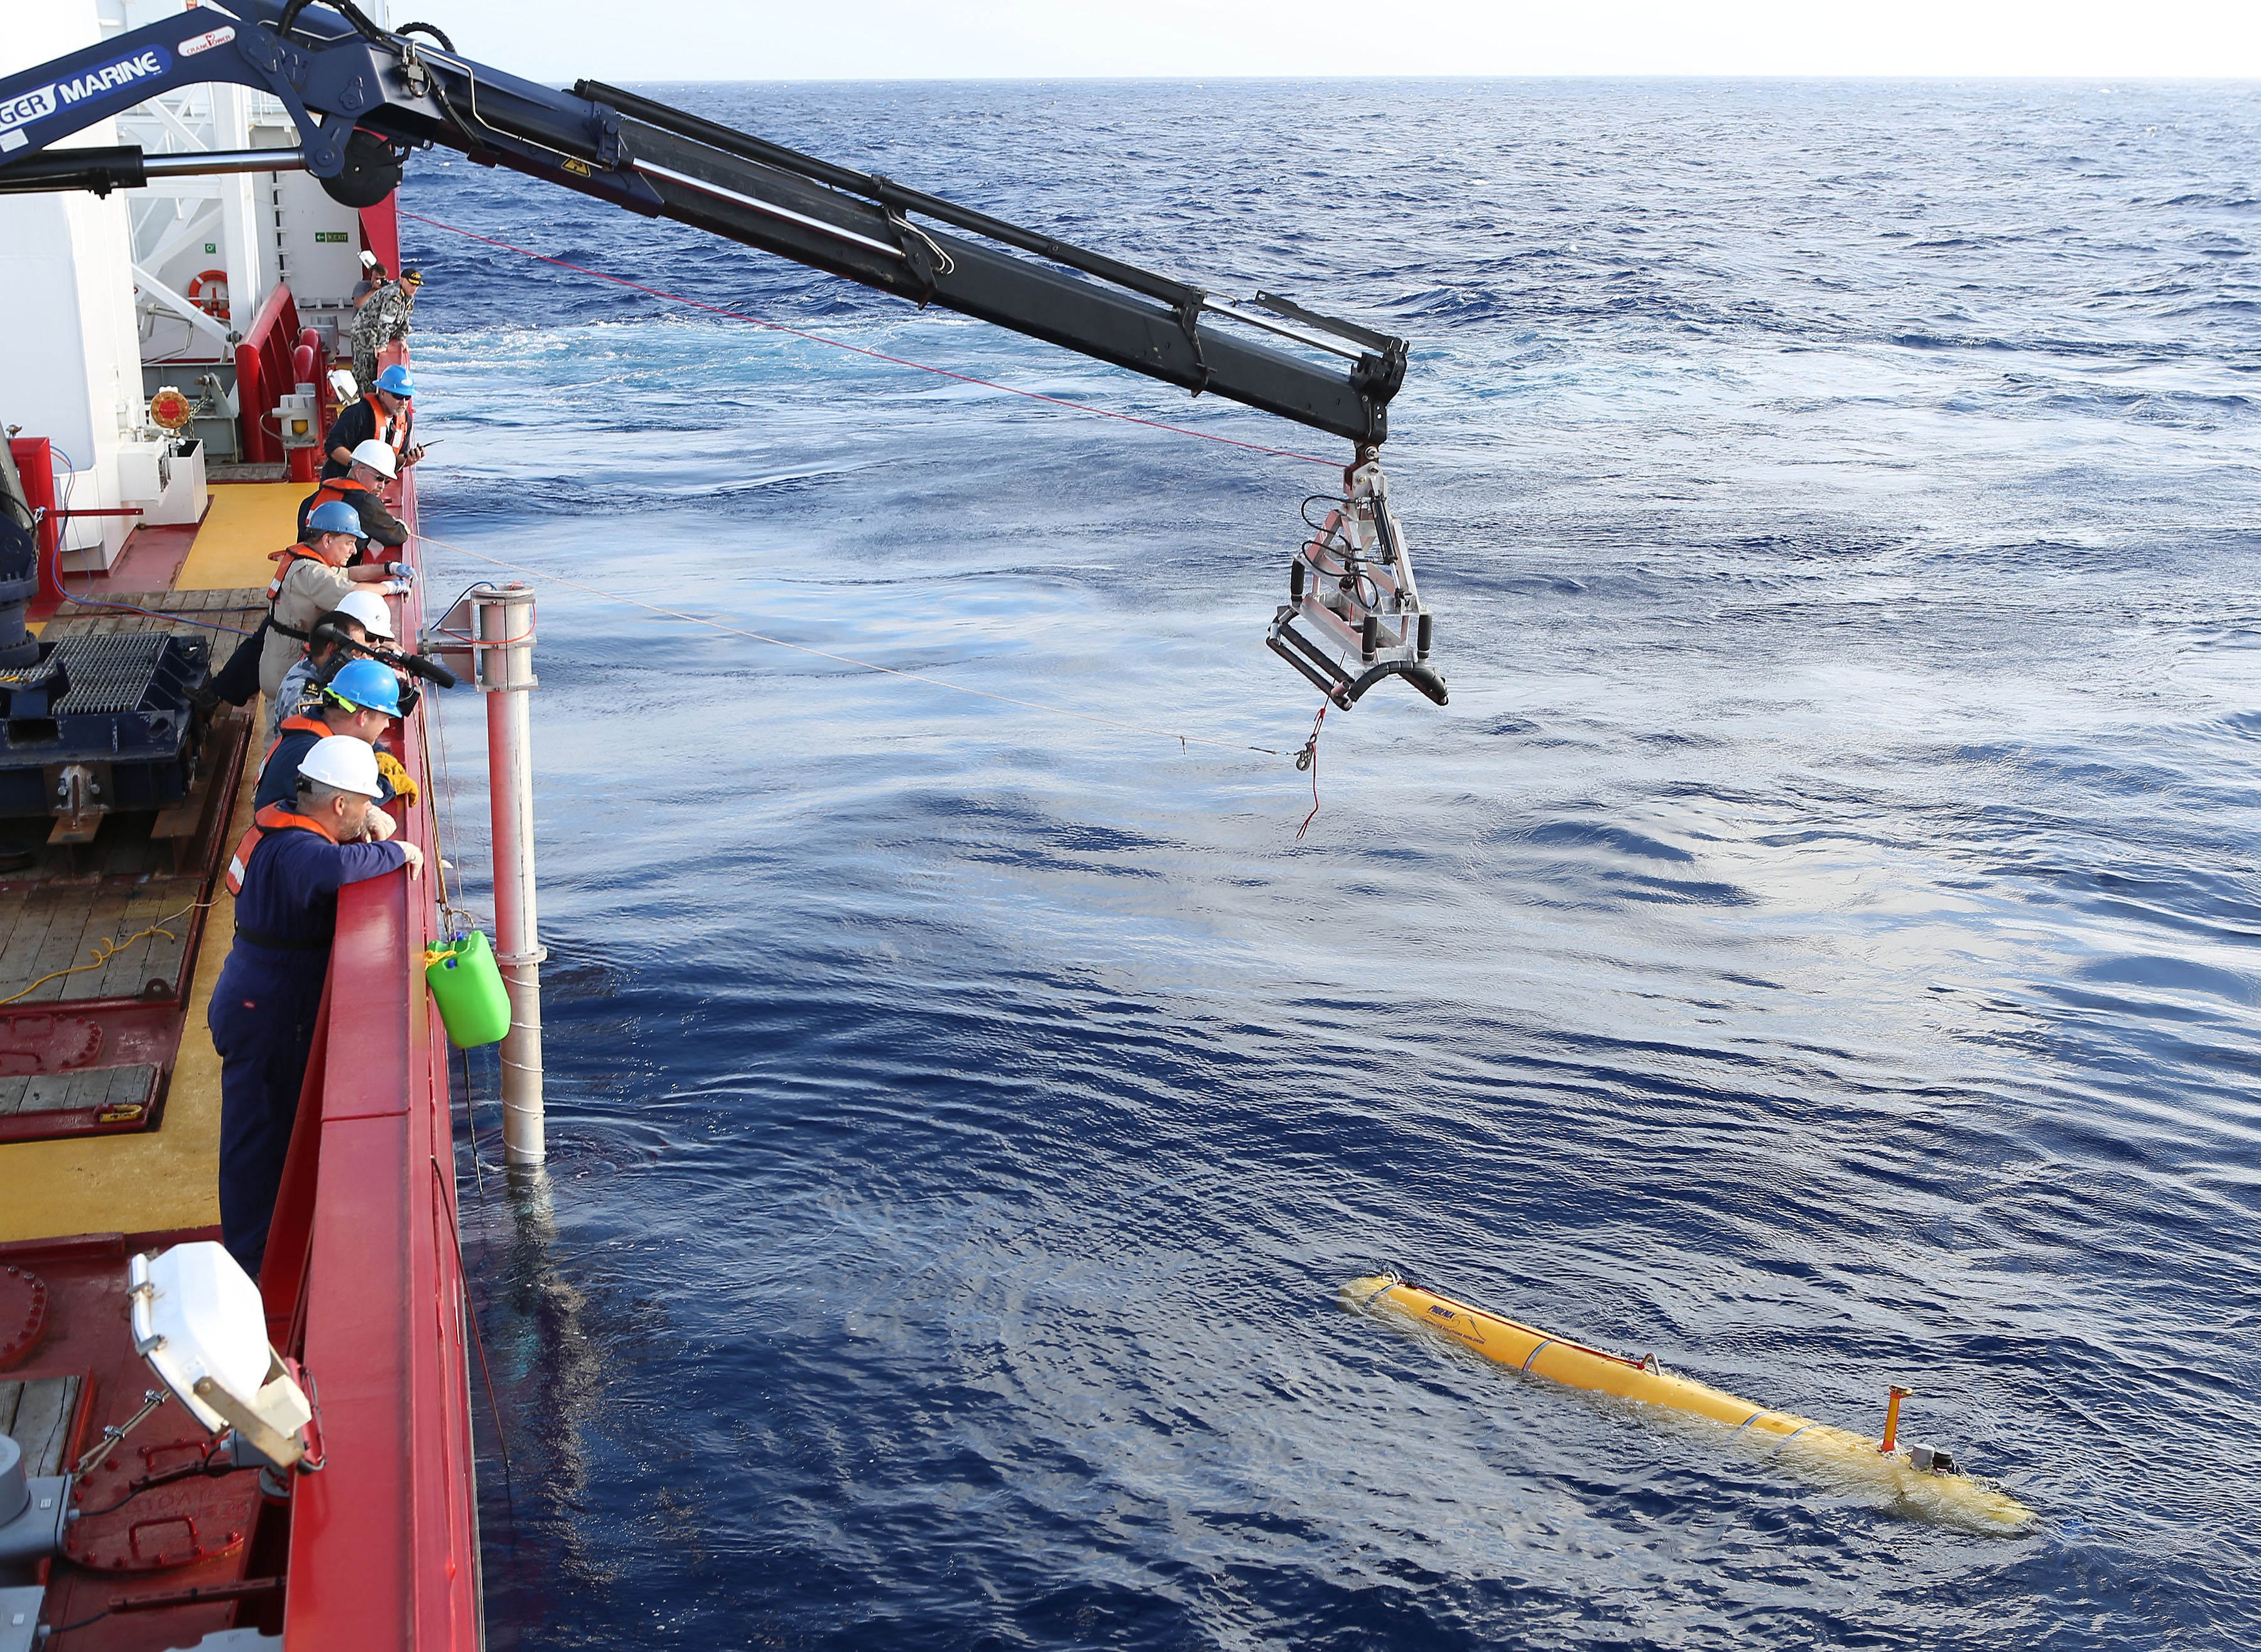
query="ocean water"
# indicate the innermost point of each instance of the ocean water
(1818, 943)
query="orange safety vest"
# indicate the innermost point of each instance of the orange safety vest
(338, 487)
(293, 724)
(391, 431)
(341, 488)
(295, 553)
(273, 818)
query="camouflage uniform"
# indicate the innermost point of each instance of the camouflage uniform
(385, 317)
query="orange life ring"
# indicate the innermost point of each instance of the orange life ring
(169, 410)
(215, 305)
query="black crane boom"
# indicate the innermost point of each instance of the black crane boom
(362, 96)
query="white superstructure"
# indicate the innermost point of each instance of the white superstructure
(110, 297)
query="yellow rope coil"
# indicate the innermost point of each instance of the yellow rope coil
(104, 950)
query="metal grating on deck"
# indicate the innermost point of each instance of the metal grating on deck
(108, 673)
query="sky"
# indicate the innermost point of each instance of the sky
(792, 39)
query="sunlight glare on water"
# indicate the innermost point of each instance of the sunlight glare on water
(1816, 943)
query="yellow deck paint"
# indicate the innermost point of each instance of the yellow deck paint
(249, 522)
(1836, 1457)
(167, 1178)
(160, 1179)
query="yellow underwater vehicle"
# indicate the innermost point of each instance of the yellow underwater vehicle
(1916, 1482)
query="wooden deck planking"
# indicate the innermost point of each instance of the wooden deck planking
(103, 921)
(71, 935)
(35, 917)
(242, 608)
(133, 967)
(38, 1412)
(129, 963)
(93, 1086)
(128, 1084)
(59, 947)
(56, 928)
(104, 914)
(11, 917)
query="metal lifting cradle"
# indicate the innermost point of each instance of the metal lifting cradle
(362, 97)
(1352, 582)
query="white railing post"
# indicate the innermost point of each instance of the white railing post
(502, 619)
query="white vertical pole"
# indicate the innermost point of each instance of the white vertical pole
(503, 620)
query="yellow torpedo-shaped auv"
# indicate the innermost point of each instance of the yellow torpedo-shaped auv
(1906, 1480)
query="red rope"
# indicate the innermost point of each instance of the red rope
(1309, 759)
(877, 356)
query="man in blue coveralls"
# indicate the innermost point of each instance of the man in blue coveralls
(285, 875)
(359, 700)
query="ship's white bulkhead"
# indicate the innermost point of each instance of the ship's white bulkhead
(103, 301)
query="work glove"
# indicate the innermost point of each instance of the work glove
(397, 772)
(402, 572)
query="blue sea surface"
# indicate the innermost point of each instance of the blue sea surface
(1818, 943)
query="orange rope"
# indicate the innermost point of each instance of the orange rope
(1309, 759)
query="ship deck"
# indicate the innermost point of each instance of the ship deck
(81, 1049)
(109, 1119)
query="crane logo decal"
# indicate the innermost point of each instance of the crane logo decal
(41, 100)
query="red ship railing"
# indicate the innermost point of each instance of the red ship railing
(364, 1284)
(263, 374)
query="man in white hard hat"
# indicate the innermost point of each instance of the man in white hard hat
(360, 616)
(285, 876)
(362, 486)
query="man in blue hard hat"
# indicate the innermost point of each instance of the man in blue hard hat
(313, 578)
(358, 701)
(285, 876)
(386, 413)
(312, 581)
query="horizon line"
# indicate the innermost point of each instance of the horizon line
(1784, 77)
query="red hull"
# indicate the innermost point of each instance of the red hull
(364, 1284)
